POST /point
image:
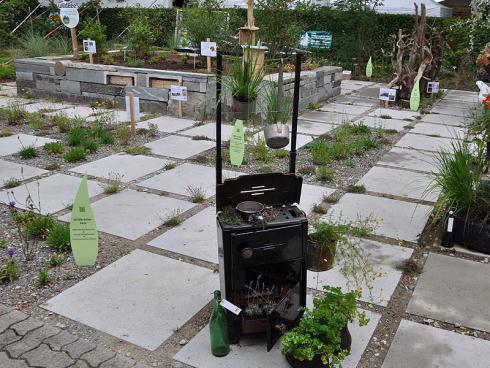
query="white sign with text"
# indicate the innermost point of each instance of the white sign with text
(433, 87)
(178, 93)
(89, 47)
(208, 49)
(387, 94)
(136, 108)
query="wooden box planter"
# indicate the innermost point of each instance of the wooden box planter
(61, 78)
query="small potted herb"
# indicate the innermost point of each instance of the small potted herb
(322, 337)
(321, 246)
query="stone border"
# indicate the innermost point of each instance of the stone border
(86, 83)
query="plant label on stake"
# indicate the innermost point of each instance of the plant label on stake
(209, 49)
(237, 144)
(433, 87)
(178, 93)
(369, 68)
(89, 47)
(84, 238)
(415, 96)
(136, 107)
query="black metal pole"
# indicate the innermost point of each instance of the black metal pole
(294, 132)
(219, 73)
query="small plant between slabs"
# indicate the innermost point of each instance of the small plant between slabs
(330, 199)
(11, 183)
(170, 166)
(28, 152)
(54, 148)
(324, 174)
(196, 194)
(281, 153)
(200, 138)
(138, 150)
(312, 106)
(75, 154)
(52, 166)
(114, 183)
(56, 260)
(307, 170)
(173, 219)
(43, 277)
(356, 189)
(411, 267)
(319, 209)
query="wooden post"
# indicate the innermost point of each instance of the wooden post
(132, 114)
(209, 58)
(91, 58)
(74, 43)
(181, 108)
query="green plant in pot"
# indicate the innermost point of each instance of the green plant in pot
(322, 337)
(277, 111)
(244, 82)
(459, 182)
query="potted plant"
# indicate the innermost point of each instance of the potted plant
(459, 180)
(245, 81)
(277, 111)
(322, 337)
(321, 245)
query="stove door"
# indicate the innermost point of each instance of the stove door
(284, 316)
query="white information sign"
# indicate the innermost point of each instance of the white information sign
(178, 93)
(136, 109)
(89, 47)
(69, 13)
(433, 87)
(387, 94)
(208, 49)
(230, 306)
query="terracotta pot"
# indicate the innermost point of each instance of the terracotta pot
(243, 109)
(276, 135)
(318, 258)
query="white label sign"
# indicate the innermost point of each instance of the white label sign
(136, 109)
(209, 49)
(178, 93)
(433, 87)
(450, 224)
(230, 306)
(69, 13)
(387, 94)
(89, 47)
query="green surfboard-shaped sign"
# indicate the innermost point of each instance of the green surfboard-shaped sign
(83, 230)
(369, 68)
(237, 144)
(415, 96)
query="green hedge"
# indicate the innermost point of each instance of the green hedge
(12, 12)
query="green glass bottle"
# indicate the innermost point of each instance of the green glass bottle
(218, 328)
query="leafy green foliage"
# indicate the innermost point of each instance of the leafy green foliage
(75, 154)
(43, 277)
(10, 271)
(28, 152)
(320, 152)
(245, 79)
(260, 151)
(93, 29)
(356, 189)
(54, 148)
(324, 174)
(40, 226)
(76, 136)
(140, 36)
(56, 260)
(11, 183)
(59, 237)
(138, 150)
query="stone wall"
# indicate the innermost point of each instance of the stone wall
(87, 83)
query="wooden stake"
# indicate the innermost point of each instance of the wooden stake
(181, 108)
(74, 43)
(91, 58)
(209, 59)
(132, 115)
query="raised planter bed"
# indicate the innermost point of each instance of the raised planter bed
(87, 83)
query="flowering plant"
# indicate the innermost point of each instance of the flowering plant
(486, 103)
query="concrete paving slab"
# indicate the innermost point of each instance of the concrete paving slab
(453, 290)
(301, 139)
(394, 114)
(51, 194)
(369, 91)
(456, 103)
(345, 109)
(81, 112)
(120, 165)
(14, 143)
(462, 96)
(209, 131)
(131, 214)
(179, 147)
(376, 122)
(397, 219)
(311, 195)
(405, 158)
(111, 116)
(313, 128)
(397, 182)
(421, 346)
(439, 130)
(358, 101)
(426, 143)
(443, 119)
(251, 352)
(353, 83)
(449, 110)
(44, 106)
(167, 124)
(5, 102)
(12, 170)
(141, 298)
(9, 92)
(195, 237)
(326, 117)
(179, 179)
(384, 258)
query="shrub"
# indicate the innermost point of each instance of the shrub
(75, 154)
(76, 136)
(140, 36)
(95, 30)
(40, 226)
(59, 237)
(28, 152)
(319, 152)
(54, 148)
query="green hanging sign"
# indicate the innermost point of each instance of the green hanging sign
(83, 230)
(415, 96)
(369, 68)
(237, 144)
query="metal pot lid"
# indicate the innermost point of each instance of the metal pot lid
(250, 207)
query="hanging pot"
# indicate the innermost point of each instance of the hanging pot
(319, 258)
(276, 135)
(243, 110)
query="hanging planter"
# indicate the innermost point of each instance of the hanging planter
(319, 257)
(276, 135)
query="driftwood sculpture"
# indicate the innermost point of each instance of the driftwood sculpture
(424, 48)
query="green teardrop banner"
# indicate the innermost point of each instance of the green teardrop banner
(83, 230)
(415, 96)
(237, 144)
(369, 68)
